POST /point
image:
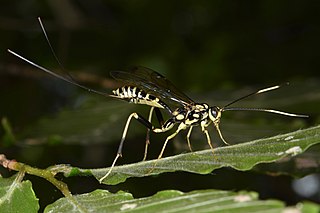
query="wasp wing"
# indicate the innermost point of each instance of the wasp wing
(154, 83)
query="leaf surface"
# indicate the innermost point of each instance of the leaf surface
(242, 157)
(169, 201)
(17, 196)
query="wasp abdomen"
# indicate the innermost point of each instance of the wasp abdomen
(137, 96)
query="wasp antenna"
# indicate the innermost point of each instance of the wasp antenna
(49, 43)
(266, 110)
(56, 75)
(70, 79)
(52, 50)
(256, 93)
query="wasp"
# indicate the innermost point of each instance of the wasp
(146, 86)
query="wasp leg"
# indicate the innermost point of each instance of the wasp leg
(165, 143)
(169, 124)
(139, 118)
(160, 120)
(159, 116)
(148, 135)
(208, 139)
(163, 148)
(204, 129)
(188, 138)
(220, 134)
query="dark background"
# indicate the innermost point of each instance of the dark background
(215, 51)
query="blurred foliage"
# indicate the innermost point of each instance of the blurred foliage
(8, 138)
(215, 51)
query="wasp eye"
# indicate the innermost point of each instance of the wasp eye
(214, 111)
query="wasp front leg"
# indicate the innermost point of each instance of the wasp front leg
(205, 131)
(216, 125)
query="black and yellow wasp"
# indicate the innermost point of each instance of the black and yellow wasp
(145, 86)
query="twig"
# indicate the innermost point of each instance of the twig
(47, 174)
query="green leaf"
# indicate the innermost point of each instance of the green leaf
(17, 196)
(169, 201)
(309, 207)
(241, 157)
(297, 166)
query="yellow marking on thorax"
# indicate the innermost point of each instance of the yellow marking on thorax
(180, 117)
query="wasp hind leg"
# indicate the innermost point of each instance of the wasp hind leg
(139, 118)
(160, 120)
(148, 135)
